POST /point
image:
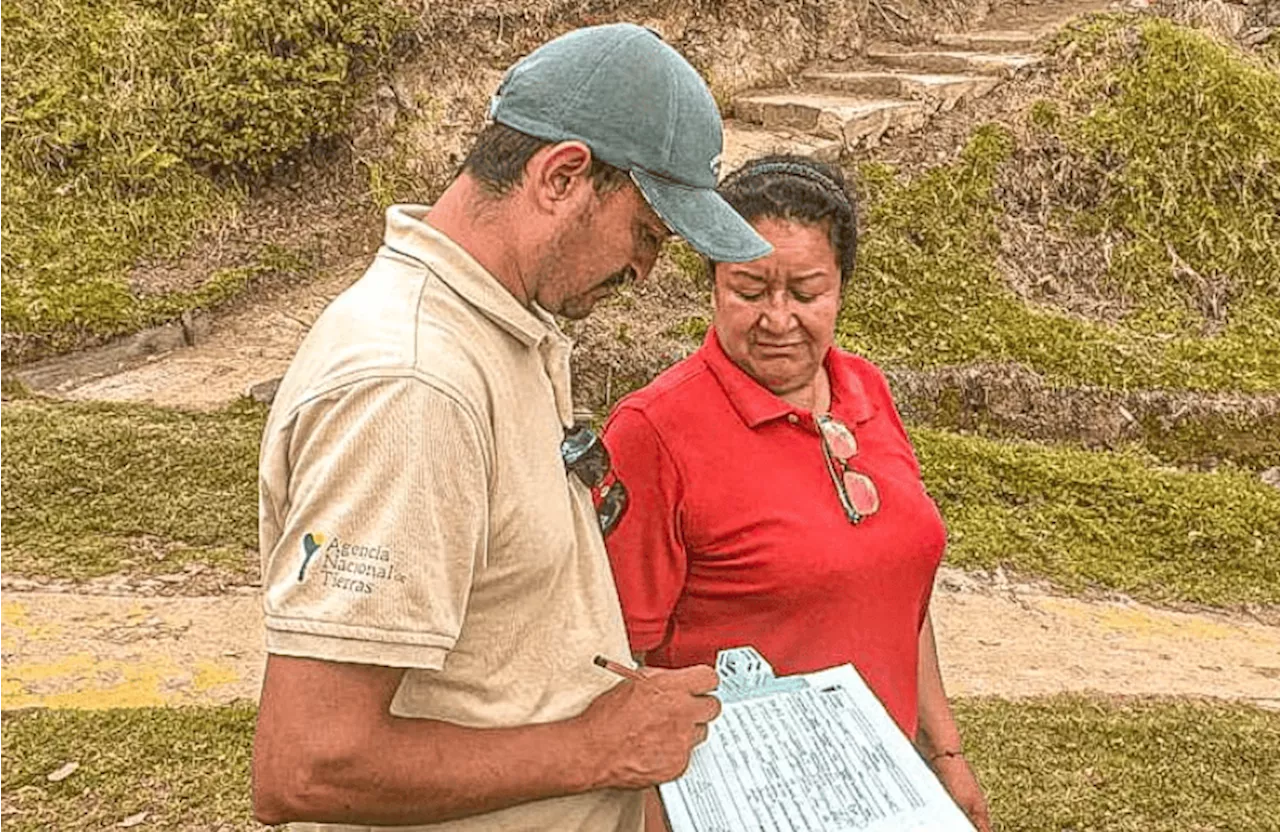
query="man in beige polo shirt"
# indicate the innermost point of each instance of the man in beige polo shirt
(436, 582)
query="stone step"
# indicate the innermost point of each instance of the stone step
(748, 141)
(958, 61)
(848, 119)
(989, 41)
(944, 90)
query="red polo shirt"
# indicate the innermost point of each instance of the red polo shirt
(734, 534)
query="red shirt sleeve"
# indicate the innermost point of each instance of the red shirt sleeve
(645, 548)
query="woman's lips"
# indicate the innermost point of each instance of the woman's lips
(777, 350)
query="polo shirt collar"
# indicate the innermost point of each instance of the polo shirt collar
(409, 234)
(756, 404)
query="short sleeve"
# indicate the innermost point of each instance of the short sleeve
(645, 548)
(383, 517)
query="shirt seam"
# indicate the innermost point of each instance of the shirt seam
(447, 641)
(675, 464)
(662, 394)
(404, 248)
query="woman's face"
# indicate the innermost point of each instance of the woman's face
(776, 316)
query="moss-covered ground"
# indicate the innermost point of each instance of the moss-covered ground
(90, 489)
(1047, 765)
(129, 127)
(1100, 519)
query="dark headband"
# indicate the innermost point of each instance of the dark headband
(794, 169)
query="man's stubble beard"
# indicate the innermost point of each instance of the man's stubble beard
(576, 307)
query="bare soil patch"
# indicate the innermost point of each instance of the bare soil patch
(1193, 430)
(253, 344)
(192, 581)
(996, 637)
(318, 209)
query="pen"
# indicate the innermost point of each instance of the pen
(620, 669)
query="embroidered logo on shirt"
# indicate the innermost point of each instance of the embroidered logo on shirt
(351, 567)
(311, 544)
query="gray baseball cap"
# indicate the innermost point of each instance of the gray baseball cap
(626, 94)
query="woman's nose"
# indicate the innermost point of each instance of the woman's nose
(775, 317)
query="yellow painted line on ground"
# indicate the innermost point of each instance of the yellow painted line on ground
(92, 652)
(70, 651)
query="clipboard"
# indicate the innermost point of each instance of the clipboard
(814, 752)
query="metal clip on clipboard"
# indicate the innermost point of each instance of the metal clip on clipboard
(745, 674)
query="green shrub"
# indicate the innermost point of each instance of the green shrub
(130, 125)
(1183, 133)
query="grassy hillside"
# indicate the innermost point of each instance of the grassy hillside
(1148, 183)
(129, 126)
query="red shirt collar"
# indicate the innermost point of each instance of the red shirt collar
(756, 404)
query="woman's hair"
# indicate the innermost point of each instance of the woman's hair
(800, 190)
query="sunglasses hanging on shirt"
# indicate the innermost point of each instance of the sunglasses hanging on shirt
(586, 456)
(858, 494)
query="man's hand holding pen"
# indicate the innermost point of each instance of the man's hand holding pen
(644, 730)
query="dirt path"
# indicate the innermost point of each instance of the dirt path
(241, 349)
(63, 650)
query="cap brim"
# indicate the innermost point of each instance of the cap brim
(703, 218)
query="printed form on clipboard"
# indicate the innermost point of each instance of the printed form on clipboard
(815, 752)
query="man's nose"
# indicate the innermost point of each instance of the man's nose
(643, 265)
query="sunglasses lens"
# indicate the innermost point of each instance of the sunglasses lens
(585, 455)
(862, 492)
(613, 503)
(840, 439)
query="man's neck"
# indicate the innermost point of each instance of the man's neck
(482, 225)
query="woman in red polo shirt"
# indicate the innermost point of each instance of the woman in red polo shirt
(774, 499)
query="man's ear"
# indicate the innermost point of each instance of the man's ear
(559, 176)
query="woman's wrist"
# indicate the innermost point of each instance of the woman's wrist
(945, 755)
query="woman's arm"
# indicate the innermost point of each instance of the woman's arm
(938, 738)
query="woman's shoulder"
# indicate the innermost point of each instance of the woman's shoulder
(864, 371)
(674, 389)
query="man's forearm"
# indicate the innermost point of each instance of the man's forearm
(416, 771)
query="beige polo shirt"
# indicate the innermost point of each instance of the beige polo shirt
(415, 511)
